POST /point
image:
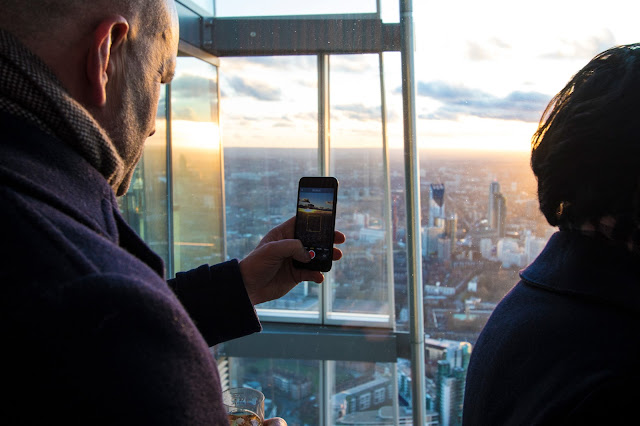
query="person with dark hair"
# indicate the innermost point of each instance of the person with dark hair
(561, 347)
(92, 333)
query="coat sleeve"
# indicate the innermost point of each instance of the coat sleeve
(216, 299)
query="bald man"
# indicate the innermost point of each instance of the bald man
(93, 334)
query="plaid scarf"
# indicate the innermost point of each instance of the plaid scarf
(30, 90)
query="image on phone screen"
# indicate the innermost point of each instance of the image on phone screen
(315, 220)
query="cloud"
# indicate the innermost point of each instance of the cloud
(294, 62)
(190, 97)
(162, 104)
(353, 64)
(284, 124)
(191, 86)
(585, 48)
(460, 101)
(359, 112)
(253, 89)
(487, 50)
(186, 113)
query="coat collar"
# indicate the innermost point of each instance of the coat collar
(43, 168)
(576, 264)
(46, 170)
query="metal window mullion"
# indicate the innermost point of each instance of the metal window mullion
(388, 224)
(389, 227)
(222, 177)
(412, 183)
(169, 166)
(387, 195)
(328, 371)
(324, 145)
(324, 127)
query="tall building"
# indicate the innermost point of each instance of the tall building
(451, 226)
(445, 247)
(450, 232)
(430, 237)
(395, 206)
(436, 204)
(501, 204)
(450, 377)
(494, 188)
(497, 210)
(450, 385)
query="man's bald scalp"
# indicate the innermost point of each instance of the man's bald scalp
(35, 21)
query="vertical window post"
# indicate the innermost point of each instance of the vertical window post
(412, 184)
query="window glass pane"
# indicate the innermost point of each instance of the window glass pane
(270, 142)
(291, 387)
(144, 206)
(360, 283)
(196, 158)
(287, 7)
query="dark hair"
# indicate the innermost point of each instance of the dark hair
(586, 151)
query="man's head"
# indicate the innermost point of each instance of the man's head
(586, 151)
(110, 55)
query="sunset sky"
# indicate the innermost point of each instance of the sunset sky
(484, 73)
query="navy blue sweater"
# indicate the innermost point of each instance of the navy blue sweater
(92, 333)
(562, 347)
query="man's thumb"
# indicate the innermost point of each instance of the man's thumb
(289, 248)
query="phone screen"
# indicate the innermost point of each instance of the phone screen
(315, 220)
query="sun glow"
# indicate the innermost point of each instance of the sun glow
(195, 134)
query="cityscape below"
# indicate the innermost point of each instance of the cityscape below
(480, 226)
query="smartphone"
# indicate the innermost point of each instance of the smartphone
(316, 220)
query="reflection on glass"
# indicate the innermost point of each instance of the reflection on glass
(144, 206)
(197, 164)
(270, 140)
(290, 386)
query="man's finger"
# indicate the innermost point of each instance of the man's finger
(337, 254)
(308, 275)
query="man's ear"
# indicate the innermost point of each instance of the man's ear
(107, 38)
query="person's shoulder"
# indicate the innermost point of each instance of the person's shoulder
(612, 401)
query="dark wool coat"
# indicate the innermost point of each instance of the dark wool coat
(91, 332)
(562, 347)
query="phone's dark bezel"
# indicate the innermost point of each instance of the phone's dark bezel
(318, 182)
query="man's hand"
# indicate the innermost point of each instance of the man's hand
(275, 421)
(268, 272)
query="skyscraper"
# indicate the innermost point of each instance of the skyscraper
(497, 211)
(494, 188)
(436, 204)
(451, 227)
(501, 214)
